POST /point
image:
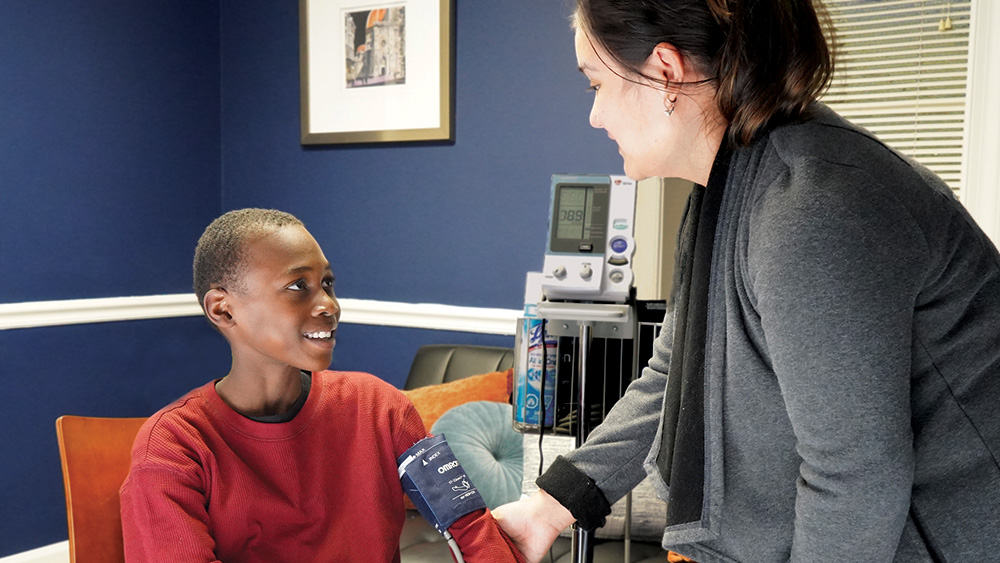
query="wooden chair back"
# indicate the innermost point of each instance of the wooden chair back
(96, 454)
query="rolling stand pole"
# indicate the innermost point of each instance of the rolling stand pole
(583, 540)
(608, 319)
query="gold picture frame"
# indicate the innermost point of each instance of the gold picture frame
(376, 71)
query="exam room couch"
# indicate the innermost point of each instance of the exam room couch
(463, 391)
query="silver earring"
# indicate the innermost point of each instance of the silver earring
(668, 111)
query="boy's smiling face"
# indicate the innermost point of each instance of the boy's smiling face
(286, 313)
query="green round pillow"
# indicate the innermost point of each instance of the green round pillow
(492, 453)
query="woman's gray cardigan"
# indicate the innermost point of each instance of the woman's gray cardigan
(852, 365)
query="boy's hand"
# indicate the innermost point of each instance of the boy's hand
(533, 523)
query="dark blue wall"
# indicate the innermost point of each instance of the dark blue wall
(457, 224)
(128, 126)
(111, 369)
(109, 123)
(109, 170)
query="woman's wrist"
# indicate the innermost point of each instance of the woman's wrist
(576, 492)
(548, 509)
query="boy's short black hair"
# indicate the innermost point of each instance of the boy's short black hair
(221, 251)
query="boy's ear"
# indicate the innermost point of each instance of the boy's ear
(217, 308)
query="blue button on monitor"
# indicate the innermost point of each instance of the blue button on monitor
(619, 245)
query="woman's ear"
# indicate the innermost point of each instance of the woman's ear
(217, 308)
(668, 62)
(667, 66)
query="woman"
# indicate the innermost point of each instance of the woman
(833, 346)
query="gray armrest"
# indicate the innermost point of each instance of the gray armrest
(442, 363)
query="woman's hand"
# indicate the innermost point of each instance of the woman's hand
(533, 523)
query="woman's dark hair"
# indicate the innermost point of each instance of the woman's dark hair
(769, 58)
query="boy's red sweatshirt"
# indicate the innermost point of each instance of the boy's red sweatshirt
(208, 484)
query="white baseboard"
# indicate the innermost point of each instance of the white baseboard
(358, 311)
(55, 553)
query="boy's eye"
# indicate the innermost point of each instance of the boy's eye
(299, 285)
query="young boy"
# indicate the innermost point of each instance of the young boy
(278, 460)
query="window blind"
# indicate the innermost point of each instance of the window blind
(901, 73)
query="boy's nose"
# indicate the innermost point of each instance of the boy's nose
(329, 306)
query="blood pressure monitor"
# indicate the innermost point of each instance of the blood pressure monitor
(590, 246)
(579, 315)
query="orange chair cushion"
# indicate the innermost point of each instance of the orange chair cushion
(434, 400)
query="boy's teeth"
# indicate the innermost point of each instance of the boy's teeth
(318, 335)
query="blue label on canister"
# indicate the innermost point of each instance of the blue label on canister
(538, 389)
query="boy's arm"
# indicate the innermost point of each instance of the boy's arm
(477, 534)
(164, 518)
(481, 540)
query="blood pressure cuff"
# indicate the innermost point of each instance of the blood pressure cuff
(436, 483)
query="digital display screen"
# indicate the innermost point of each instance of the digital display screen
(579, 217)
(576, 206)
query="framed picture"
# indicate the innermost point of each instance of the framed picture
(376, 71)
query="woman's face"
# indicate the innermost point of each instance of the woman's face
(632, 114)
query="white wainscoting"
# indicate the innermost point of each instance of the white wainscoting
(357, 311)
(55, 553)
